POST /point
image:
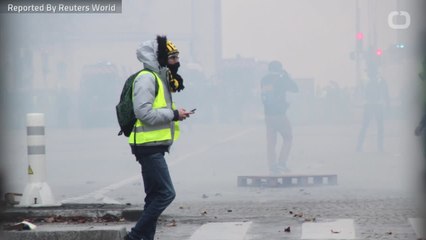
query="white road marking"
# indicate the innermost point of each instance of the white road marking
(207, 148)
(221, 231)
(99, 195)
(339, 229)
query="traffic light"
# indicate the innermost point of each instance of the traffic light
(360, 38)
(379, 52)
(400, 45)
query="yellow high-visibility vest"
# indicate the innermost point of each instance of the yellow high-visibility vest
(141, 133)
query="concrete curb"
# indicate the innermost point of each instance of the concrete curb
(65, 210)
(65, 232)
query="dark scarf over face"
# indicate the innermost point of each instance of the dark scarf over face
(176, 81)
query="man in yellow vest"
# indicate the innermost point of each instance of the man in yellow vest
(155, 129)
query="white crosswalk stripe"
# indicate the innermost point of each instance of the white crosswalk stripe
(339, 229)
(221, 231)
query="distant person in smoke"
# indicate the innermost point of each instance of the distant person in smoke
(421, 127)
(274, 87)
(420, 130)
(376, 104)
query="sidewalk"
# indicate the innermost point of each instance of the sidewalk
(70, 221)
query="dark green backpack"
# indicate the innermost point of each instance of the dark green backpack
(124, 109)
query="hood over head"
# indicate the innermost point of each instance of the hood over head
(147, 54)
(153, 53)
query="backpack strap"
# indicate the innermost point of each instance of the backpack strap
(156, 80)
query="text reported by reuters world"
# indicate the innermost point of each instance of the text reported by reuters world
(96, 6)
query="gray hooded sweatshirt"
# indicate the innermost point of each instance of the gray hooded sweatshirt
(144, 92)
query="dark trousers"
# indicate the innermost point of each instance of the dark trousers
(278, 125)
(372, 111)
(159, 192)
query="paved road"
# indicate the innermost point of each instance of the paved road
(384, 216)
(376, 190)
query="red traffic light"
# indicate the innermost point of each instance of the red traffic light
(379, 52)
(360, 36)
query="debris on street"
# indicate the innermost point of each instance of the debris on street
(24, 225)
(172, 223)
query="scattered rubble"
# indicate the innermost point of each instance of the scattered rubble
(172, 223)
(310, 219)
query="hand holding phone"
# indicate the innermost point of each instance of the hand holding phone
(183, 114)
